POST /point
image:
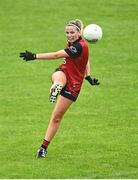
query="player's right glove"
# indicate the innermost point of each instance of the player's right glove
(27, 56)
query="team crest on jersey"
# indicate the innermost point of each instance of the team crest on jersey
(73, 49)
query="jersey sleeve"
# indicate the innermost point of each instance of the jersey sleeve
(74, 50)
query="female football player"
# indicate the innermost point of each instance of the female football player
(67, 78)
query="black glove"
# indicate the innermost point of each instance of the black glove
(92, 81)
(27, 56)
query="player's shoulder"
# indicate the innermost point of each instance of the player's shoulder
(83, 43)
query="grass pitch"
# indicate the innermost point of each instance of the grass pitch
(98, 137)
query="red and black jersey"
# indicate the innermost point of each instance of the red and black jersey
(75, 65)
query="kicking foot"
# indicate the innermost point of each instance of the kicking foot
(54, 92)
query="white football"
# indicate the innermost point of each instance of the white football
(92, 33)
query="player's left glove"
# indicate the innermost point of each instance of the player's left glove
(27, 56)
(92, 81)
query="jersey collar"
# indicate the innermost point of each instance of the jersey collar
(75, 41)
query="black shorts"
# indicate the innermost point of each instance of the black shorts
(69, 94)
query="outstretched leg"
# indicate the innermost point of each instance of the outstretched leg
(61, 107)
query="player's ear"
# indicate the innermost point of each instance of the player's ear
(79, 33)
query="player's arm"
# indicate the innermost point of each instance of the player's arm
(53, 55)
(92, 81)
(87, 71)
(28, 56)
(72, 51)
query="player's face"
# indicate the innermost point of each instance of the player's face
(72, 34)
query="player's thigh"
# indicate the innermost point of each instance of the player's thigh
(62, 105)
(59, 76)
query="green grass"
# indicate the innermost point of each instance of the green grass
(98, 137)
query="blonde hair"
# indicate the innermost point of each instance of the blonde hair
(76, 23)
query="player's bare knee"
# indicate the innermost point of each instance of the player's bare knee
(56, 117)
